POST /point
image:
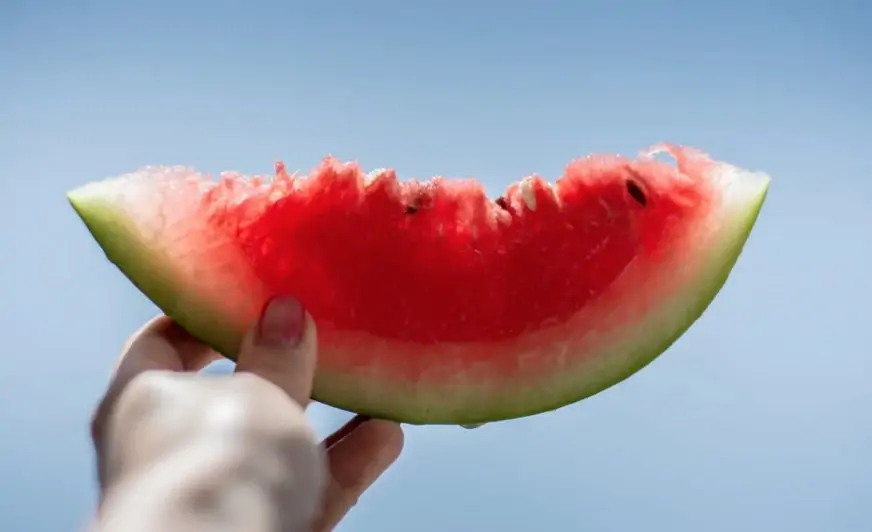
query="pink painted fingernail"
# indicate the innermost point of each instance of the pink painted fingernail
(282, 322)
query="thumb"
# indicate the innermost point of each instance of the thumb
(282, 348)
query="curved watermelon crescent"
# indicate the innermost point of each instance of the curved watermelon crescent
(454, 393)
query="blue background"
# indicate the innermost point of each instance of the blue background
(757, 420)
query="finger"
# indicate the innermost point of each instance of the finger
(356, 461)
(281, 348)
(344, 431)
(161, 344)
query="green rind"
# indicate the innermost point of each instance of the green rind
(113, 235)
(122, 246)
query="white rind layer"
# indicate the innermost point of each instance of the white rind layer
(454, 384)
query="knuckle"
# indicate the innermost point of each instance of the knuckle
(299, 437)
(247, 382)
(273, 414)
(150, 386)
(132, 399)
(264, 393)
(146, 393)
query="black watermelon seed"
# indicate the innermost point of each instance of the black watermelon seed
(636, 192)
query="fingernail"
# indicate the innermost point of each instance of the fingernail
(282, 322)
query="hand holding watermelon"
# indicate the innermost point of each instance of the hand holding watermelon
(177, 450)
(435, 305)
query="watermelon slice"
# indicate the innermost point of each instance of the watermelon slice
(434, 304)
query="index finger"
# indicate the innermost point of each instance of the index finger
(161, 344)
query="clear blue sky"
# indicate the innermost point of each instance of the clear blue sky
(757, 420)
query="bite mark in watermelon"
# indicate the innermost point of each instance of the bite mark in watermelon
(435, 304)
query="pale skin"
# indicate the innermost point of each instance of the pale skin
(181, 451)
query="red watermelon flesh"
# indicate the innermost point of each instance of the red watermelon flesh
(435, 304)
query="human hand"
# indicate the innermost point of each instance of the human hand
(181, 451)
